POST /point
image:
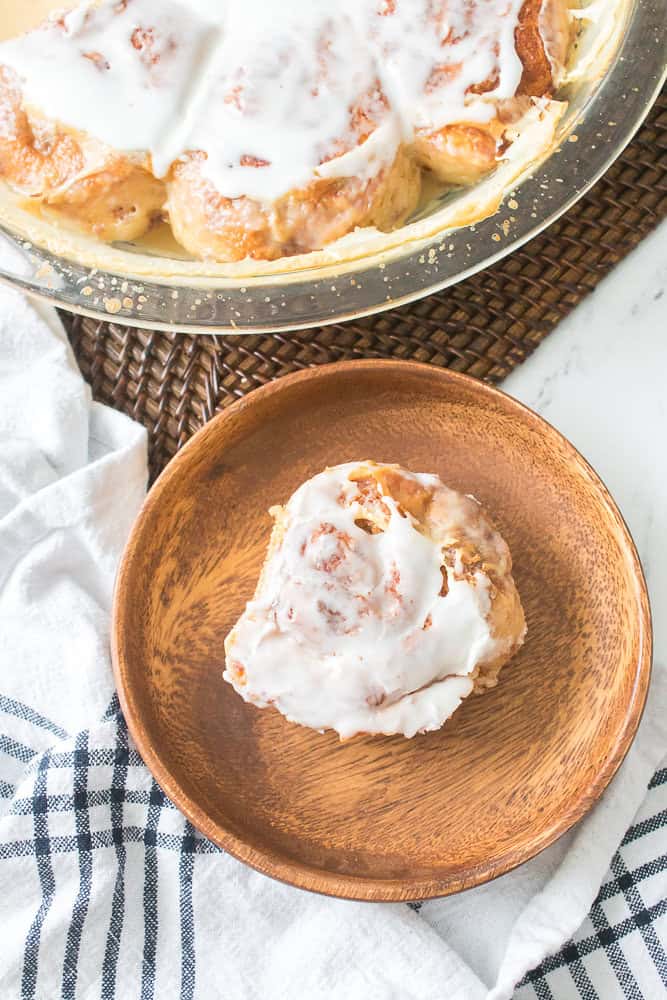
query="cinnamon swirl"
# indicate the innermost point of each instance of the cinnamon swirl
(385, 600)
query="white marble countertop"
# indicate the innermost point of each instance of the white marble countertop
(601, 379)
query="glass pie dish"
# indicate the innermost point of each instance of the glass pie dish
(453, 234)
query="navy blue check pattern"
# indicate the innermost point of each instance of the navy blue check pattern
(619, 951)
(76, 765)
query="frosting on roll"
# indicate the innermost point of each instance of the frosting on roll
(273, 95)
(374, 611)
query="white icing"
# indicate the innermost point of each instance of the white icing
(348, 630)
(276, 83)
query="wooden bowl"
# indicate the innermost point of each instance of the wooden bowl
(383, 818)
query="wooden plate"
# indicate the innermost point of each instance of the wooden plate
(383, 818)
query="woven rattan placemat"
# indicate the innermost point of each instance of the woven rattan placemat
(173, 383)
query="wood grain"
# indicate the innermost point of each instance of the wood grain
(383, 818)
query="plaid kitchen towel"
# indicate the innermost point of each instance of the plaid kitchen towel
(106, 891)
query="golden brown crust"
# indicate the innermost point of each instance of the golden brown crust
(119, 201)
(209, 225)
(462, 154)
(458, 154)
(536, 79)
(37, 161)
(86, 184)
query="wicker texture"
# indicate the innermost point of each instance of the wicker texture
(485, 325)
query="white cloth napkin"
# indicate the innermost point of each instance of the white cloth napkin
(105, 890)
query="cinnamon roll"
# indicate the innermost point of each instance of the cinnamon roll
(74, 177)
(261, 130)
(386, 599)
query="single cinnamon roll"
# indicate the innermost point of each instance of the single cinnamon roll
(386, 599)
(462, 152)
(85, 183)
(214, 227)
